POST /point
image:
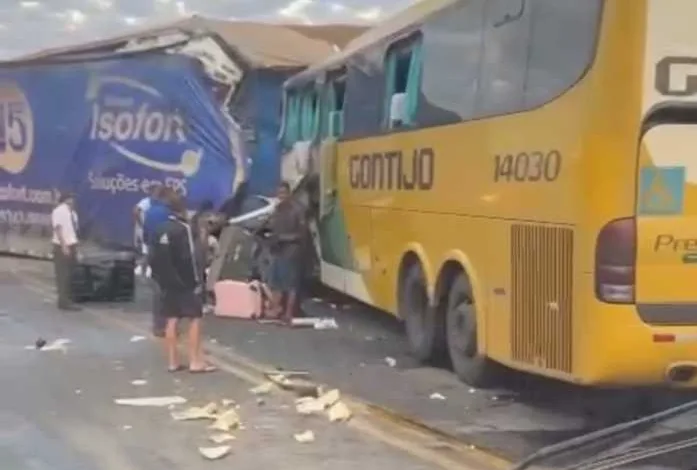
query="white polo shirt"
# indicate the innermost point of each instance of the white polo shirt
(144, 204)
(66, 218)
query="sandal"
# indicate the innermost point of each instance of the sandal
(203, 370)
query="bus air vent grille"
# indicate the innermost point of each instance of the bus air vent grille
(541, 296)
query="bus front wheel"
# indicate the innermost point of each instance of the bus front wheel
(425, 331)
(468, 363)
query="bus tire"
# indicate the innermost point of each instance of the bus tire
(421, 322)
(468, 363)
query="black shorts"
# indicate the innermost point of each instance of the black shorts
(181, 304)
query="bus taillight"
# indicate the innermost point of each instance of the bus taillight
(615, 260)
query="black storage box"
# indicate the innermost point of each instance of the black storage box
(104, 276)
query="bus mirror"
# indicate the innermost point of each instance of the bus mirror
(398, 109)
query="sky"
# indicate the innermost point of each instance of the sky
(30, 25)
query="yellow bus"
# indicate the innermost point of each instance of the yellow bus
(517, 181)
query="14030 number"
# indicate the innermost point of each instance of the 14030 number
(528, 166)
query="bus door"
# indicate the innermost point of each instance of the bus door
(335, 252)
(666, 221)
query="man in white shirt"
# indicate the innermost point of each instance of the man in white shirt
(139, 212)
(65, 239)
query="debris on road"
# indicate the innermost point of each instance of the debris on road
(308, 406)
(391, 361)
(263, 389)
(226, 421)
(339, 412)
(222, 438)
(196, 413)
(316, 323)
(139, 382)
(56, 345)
(437, 396)
(159, 402)
(302, 387)
(214, 453)
(137, 338)
(330, 401)
(305, 437)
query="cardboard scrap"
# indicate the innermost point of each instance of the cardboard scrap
(196, 413)
(226, 421)
(305, 437)
(222, 438)
(263, 389)
(331, 401)
(214, 453)
(308, 406)
(339, 412)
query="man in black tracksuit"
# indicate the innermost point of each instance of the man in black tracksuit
(175, 270)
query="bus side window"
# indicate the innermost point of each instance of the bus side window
(562, 46)
(291, 123)
(402, 87)
(309, 122)
(504, 65)
(334, 107)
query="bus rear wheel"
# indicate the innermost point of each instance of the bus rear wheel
(468, 363)
(425, 331)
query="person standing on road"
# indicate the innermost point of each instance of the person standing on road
(139, 212)
(156, 215)
(65, 239)
(175, 270)
(288, 227)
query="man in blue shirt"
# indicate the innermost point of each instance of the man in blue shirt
(158, 213)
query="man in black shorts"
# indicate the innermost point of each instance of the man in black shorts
(175, 271)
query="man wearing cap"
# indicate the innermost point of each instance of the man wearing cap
(65, 238)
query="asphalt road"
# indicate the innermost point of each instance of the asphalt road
(367, 358)
(57, 408)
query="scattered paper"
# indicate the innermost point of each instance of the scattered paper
(139, 382)
(137, 338)
(308, 406)
(151, 401)
(339, 412)
(263, 389)
(78, 392)
(326, 324)
(226, 421)
(222, 438)
(196, 412)
(228, 402)
(56, 345)
(316, 323)
(214, 453)
(127, 427)
(311, 405)
(391, 361)
(437, 396)
(305, 437)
